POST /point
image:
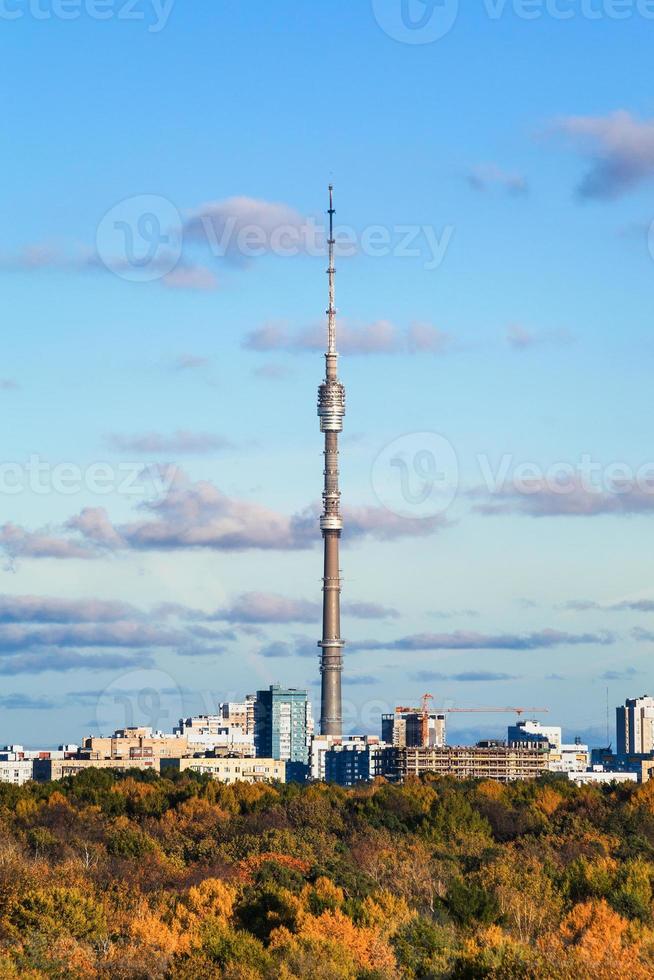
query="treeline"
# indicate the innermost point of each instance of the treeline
(143, 877)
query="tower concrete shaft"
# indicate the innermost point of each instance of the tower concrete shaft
(331, 410)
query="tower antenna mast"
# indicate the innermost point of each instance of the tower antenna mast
(331, 410)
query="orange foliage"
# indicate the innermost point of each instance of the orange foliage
(211, 897)
(491, 789)
(386, 912)
(601, 942)
(248, 866)
(365, 944)
(548, 800)
(134, 790)
(146, 929)
(644, 797)
(58, 799)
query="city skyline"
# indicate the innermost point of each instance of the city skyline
(496, 277)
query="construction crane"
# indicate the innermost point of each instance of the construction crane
(425, 708)
(423, 714)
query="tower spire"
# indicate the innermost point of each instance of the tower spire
(331, 272)
(331, 410)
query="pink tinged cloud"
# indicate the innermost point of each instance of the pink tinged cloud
(62, 661)
(538, 498)
(379, 337)
(178, 442)
(266, 607)
(470, 640)
(520, 338)
(94, 525)
(484, 177)
(190, 362)
(619, 147)
(194, 277)
(17, 542)
(240, 228)
(198, 515)
(123, 633)
(49, 609)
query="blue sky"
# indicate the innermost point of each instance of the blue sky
(525, 149)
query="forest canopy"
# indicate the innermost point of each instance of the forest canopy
(135, 876)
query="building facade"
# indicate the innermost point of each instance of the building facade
(283, 725)
(602, 776)
(486, 760)
(563, 756)
(224, 733)
(230, 770)
(133, 743)
(527, 730)
(49, 769)
(407, 728)
(570, 757)
(16, 771)
(354, 760)
(239, 714)
(635, 726)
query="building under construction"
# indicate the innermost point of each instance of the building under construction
(410, 728)
(486, 760)
(424, 727)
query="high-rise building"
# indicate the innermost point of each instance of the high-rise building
(283, 727)
(563, 756)
(222, 733)
(413, 728)
(527, 730)
(354, 760)
(331, 410)
(635, 726)
(239, 714)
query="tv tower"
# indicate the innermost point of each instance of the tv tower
(331, 409)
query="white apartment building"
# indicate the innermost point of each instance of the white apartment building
(599, 775)
(321, 744)
(635, 726)
(230, 770)
(228, 730)
(570, 757)
(563, 757)
(528, 730)
(16, 771)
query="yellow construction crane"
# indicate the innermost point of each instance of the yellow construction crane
(425, 708)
